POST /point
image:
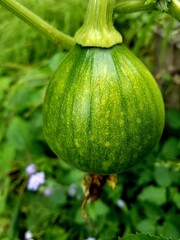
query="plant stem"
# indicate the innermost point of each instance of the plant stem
(4, 195)
(36, 22)
(170, 7)
(13, 227)
(126, 6)
(121, 6)
(98, 29)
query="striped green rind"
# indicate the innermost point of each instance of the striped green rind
(103, 111)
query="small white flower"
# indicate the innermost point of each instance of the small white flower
(91, 238)
(47, 192)
(72, 190)
(28, 235)
(31, 169)
(35, 181)
(120, 203)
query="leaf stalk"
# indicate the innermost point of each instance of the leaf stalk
(171, 7)
(38, 23)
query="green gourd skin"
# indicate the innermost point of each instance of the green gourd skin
(103, 111)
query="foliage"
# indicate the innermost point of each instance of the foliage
(146, 198)
(142, 236)
(14, 38)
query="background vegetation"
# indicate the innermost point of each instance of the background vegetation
(147, 197)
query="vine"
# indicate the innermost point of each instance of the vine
(171, 7)
(38, 23)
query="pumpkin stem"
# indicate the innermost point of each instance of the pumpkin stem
(94, 184)
(98, 29)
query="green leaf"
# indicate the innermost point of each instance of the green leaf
(156, 195)
(58, 196)
(172, 119)
(170, 149)
(162, 176)
(96, 209)
(18, 133)
(74, 176)
(112, 228)
(146, 225)
(175, 195)
(2, 129)
(56, 60)
(142, 236)
(175, 176)
(3, 196)
(56, 233)
(78, 217)
(152, 211)
(169, 230)
(4, 221)
(100, 208)
(4, 85)
(27, 92)
(7, 153)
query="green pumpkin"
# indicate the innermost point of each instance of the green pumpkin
(103, 111)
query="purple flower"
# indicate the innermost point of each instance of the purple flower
(91, 238)
(35, 180)
(28, 235)
(47, 192)
(72, 190)
(31, 169)
(120, 203)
